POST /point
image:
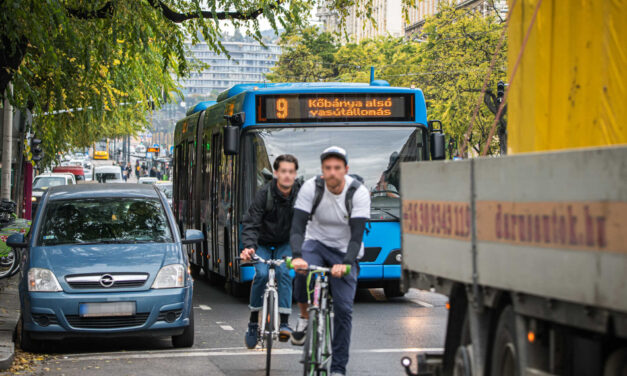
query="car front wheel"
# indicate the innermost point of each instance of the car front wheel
(187, 338)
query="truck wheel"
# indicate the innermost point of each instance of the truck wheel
(616, 364)
(393, 289)
(505, 350)
(463, 361)
(187, 338)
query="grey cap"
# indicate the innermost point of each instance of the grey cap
(334, 151)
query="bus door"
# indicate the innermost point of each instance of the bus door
(197, 191)
(205, 201)
(217, 234)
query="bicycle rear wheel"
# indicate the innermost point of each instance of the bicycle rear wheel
(268, 332)
(310, 353)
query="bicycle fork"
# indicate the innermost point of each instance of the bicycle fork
(265, 311)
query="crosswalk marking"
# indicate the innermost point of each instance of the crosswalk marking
(204, 307)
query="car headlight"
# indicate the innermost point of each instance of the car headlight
(33, 198)
(42, 280)
(170, 276)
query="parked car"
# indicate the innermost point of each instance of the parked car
(147, 180)
(166, 188)
(108, 174)
(42, 182)
(77, 171)
(105, 260)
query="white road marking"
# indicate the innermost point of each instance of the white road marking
(234, 351)
(204, 307)
(423, 303)
(226, 327)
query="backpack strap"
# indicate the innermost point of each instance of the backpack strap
(319, 192)
(350, 192)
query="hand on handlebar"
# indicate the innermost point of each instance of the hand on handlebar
(247, 254)
(299, 265)
(339, 270)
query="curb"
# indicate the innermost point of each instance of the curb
(9, 314)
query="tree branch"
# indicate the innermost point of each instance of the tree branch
(107, 11)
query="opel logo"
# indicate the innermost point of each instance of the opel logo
(106, 281)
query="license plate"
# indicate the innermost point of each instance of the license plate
(106, 309)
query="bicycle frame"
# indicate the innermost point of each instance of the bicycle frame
(271, 289)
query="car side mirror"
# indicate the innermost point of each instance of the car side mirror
(193, 237)
(16, 241)
(436, 141)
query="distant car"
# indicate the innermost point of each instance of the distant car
(42, 182)
(105, 260)
(147, 180)
(108, 174)
(76, 170)
(80, 156)
(166, 188)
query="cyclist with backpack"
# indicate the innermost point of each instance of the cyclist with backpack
(330, 216)
(266, 232)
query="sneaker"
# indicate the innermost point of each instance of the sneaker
(252, 335)
(298, 335)
(285, 332)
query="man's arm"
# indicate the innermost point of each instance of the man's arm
(251, 222)
(357, 227)
(297, 233)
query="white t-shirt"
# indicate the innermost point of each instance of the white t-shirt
(329, 224)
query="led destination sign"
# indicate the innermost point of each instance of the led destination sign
(334, 108)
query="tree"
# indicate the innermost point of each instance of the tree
(449, 61)
(308, 55)
(90, 69)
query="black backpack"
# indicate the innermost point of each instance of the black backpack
(355, 184)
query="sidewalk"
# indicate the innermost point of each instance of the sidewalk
(9, 314)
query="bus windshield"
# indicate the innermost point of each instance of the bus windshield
(374, 153)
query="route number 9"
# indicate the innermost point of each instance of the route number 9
(281, 108)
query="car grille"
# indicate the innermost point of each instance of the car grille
(77, 321)
(93, 281)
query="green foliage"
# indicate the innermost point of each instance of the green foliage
(307, 55)
(93, 68)
(449, 61)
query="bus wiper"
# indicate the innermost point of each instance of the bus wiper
(389, 213)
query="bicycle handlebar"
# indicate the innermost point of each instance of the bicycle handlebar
(315, 268)
(257, 259)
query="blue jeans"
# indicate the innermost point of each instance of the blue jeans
(282, 275)
(343, 292)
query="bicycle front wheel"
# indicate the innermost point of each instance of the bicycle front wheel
(327, 346)
(269, 330)
(310, 360)
(8, 264)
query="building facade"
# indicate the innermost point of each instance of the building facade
(387, 14)
(249, 63)
(427, 8)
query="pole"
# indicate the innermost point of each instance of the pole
(7, 146)
(28, 190)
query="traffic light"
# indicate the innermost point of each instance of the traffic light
(500, 91)
(35, 149)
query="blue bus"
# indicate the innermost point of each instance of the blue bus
(223, 153)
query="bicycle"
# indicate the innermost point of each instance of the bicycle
(268, 328)
(317, 354)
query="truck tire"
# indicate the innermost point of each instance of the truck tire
(504, 348)
(463, 361)
(616, 364)
(187, 338)
(392, 289)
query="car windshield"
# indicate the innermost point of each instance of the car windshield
(166, 189)
(46, 182)
(102, 177)
(374, 153)
(104, 220)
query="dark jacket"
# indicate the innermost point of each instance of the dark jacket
(269, 228)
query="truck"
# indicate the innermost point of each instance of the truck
(531, 248)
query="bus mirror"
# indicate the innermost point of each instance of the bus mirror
(231, 140)
(437, 146)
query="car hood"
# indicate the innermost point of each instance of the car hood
(69, 259)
